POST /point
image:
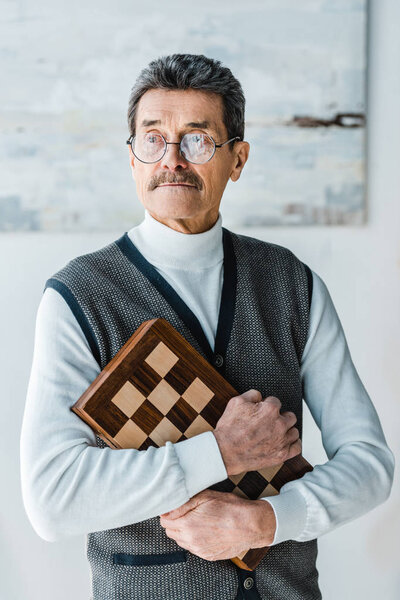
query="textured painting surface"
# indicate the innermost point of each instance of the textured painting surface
(69, 69)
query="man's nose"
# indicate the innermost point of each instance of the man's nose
(173, 158)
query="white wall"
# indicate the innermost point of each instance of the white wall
(361, 266)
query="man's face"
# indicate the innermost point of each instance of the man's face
(183, 195)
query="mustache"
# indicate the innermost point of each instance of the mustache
(189, 178)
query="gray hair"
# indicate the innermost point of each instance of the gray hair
(195, 71)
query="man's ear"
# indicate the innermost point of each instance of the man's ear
(241, 156)
(132, 161)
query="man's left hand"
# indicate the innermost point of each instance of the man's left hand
(218, 525)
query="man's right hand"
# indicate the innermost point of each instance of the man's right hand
(252, 433)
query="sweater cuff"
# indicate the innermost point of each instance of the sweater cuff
(201, 461)
(290, 510)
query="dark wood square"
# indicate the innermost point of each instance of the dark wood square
(252, 484)
(180, 377)
(223, 486)
(147, 443)
(111, 420)
(144, 378)
(284, 475)
(181, 415)
(212, 413)
(147, 417)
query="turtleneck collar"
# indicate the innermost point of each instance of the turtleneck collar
(164, 246)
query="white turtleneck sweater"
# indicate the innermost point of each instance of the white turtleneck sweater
(72, 487)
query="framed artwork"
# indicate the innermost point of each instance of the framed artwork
(302, 66)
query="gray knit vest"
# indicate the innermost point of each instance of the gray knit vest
(261, 334)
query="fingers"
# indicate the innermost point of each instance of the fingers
(292, 435)
(273, 402)
(176, 513)
(295, 449)
(251, 395)
(289, 418)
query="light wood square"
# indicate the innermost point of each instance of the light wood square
(199, 425)
(128, 399)
(238, 477)
(130, 435)
(198, 395)
(269, 472)
(163, 396)
(165, 432)
(161, 359)
(269, 491)
(238, 492)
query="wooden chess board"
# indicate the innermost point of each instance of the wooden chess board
(158, 388)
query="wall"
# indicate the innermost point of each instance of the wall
(361, 266)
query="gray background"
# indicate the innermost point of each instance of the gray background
(360, 265)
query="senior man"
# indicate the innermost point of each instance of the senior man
(251, 308)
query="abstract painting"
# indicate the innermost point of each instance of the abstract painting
(69, 71)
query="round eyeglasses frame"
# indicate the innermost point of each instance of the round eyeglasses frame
(132, 137)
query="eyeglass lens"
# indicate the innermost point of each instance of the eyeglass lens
(195, 147)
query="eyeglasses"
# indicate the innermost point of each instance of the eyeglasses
(197, 148)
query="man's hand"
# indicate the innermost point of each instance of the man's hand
(252, 433)
(218, 525)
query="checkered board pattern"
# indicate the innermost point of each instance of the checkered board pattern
(157, 389)
(162, 401)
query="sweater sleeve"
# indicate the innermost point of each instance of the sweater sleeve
(359, 473)
(69, 485)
